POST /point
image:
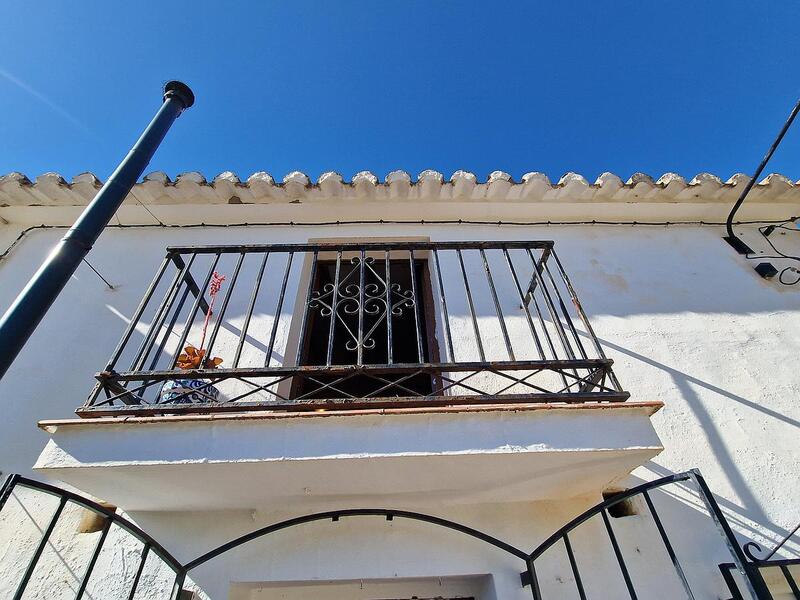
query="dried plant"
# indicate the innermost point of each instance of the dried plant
(195, 357)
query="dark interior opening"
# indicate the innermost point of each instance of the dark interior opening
(623, 508)
(406, 329)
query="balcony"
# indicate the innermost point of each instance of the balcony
(463, 371)
(347, 326)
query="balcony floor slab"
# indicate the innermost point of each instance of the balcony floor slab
(376, 457)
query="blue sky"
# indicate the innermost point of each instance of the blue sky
(580, 86)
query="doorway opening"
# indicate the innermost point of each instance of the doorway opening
(368, 311)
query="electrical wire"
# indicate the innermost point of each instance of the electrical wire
(766, 228)
(765, 232)
(96, 272)
(338, 223)
(142, 204)
(757, 174)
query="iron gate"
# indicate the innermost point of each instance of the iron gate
(152, 552)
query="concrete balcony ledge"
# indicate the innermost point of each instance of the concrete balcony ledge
(381, 457)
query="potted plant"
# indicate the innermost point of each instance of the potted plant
(192, 391)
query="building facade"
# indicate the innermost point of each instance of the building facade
(423, 387)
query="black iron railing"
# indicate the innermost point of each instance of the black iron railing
(350, 325)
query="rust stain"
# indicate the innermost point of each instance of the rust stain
(651, 407)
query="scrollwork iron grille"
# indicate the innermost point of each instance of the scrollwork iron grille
(354, 325)
(780, 578)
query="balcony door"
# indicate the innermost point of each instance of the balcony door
(368, 310)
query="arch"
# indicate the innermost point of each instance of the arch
(335, 515)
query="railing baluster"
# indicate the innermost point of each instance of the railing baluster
(620, 560)
(445, 316)
(193, 311)
(165, 334)
(543, 325)
(471, 307)
(161, 314)
(574, 566)
(539, 266)
(278, 308)
(790, 580)
(26, 577)
(90, 567)
(565, 312)
(497, 307)
(243, 335)
(389, 342)
(417, 301)
(668, 546)
(582, 314)
(221, 315)
(524, 304)
(112, 362)
(304, 323)
(552, 309)
(139, 571)
(192, 284)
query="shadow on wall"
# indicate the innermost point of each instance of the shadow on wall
(751, 510)
(643, 551)
(742, 525)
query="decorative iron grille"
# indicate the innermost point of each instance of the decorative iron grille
(354, 325)
(778, 577)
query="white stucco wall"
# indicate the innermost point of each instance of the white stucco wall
(686, 320)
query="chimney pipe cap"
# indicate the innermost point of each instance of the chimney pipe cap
(179, 90)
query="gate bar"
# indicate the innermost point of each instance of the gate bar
(98, 547)
(39, 549)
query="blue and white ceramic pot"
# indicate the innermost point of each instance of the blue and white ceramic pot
(188, 391)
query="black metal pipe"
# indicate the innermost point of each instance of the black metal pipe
(731, 238)
(21, 319)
